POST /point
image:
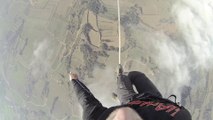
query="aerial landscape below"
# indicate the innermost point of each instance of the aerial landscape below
(41, 41)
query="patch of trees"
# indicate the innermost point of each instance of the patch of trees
(105, 47)
(131, 16)
(90, 59)
(96, 6)
(86, 29)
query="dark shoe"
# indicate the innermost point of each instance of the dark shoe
(120, 69)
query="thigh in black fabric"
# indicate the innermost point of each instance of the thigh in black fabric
(143, 84)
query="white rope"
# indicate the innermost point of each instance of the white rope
(119, 31)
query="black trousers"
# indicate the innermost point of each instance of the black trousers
(142, 84)
(92, 108)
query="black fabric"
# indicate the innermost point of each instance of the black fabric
(92, 108)
(149, 103)
(143, 84)
(124, 90)
(151, 107)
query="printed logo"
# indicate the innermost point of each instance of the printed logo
(169, 108)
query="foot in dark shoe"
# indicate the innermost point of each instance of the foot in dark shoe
(120, 69)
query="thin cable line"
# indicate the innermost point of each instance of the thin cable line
(119, 31)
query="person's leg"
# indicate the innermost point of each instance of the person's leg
(92, 108)
(143, 84)
(125, 90)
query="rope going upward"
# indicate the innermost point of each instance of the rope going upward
(119, 31)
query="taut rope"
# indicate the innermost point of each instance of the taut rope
(119, 31)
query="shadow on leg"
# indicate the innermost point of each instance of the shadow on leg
(125, 90)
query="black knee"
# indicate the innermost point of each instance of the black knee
(134, 74)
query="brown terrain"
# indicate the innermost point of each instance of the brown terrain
(42, 40)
